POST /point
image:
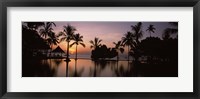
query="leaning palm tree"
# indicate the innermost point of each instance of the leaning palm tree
(78, 39)
(151, 29)
(67, 35)
(96, 43)
(47, 29)
(118, 48)
(169, 31)
(128, 40)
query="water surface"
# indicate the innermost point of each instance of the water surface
(86, 67)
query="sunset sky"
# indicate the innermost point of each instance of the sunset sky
(109, 32)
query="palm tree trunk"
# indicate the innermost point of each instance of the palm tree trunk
(137, 39)
(76, 52)
(67, 58)
(128, 52)
(94, 69)
(150, 34)
(50, 54)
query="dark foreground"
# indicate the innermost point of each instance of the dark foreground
(103, 68)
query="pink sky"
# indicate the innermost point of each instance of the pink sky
(109, 32)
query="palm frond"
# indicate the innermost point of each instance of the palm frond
(61, 34)
(114, 43)
(82, 44)
(91, 46)
(53, 24)
(99, 41)
(121, 50)
(91, 42)
(72, 44)
(151, 28)
(62, 39)
(42, 33)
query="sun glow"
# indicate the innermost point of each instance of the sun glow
(72, 51)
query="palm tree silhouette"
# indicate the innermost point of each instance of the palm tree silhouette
(169, 31)
(128, 40)
(67, 35)
(96, 43)
(137, 34)
(118, 48)
(48, 34)
(47, 29)
(137, 31)
(151, 29)
(78, 39)
(52, 39)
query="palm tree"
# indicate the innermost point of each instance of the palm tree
(169, 31)
(67, 35)
(96, 43)
(47, 29)
(118, 48)
(48, 34)
(137, 31)
(128, 40)
(151, 29)
(52, 39)
(78, 39)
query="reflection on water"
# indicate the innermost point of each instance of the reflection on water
(86, 68)
(80, 68)
(101, 68)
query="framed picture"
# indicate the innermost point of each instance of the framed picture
(90, 49)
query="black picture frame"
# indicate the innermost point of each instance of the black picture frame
(98, 3)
